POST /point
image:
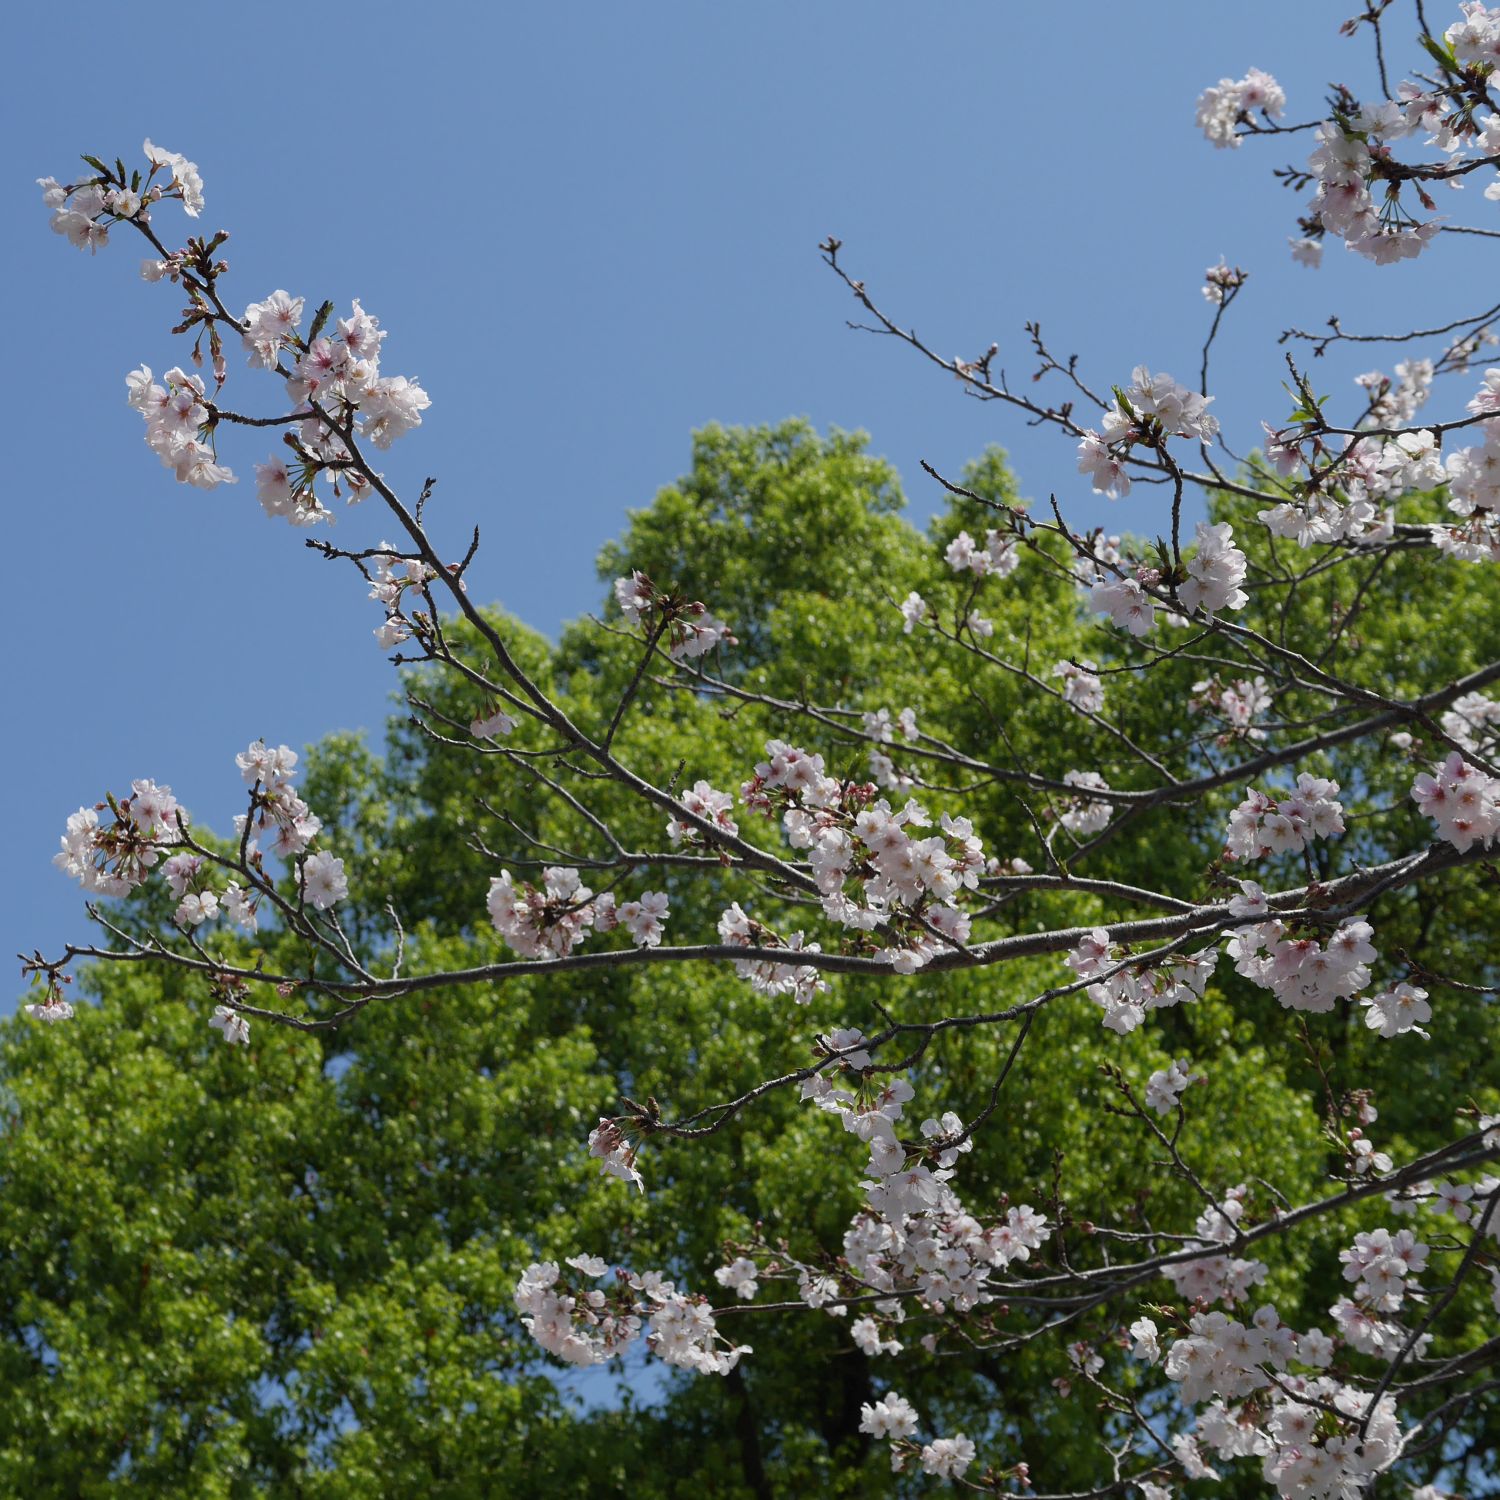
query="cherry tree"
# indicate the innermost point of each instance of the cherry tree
(845, 852)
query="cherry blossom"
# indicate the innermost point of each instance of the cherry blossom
(1083, 816)
(616, 1155)
(893, 1416)
(1238, 704)
(1215, 572)
(50, 1011)
(1222, 108)
(948, 1458)
(739, 1276)
(1307, 252)
(1080, 686)
(1462, 800)
(1396, 1011)
(644, 919)
(704, 802)
(997, 557)
(176, 420)
(1263, 825)
(232, 1026)
(1126, 602)
(586, 1327)
(1165, 1087)
(323, 880)
(183, 176)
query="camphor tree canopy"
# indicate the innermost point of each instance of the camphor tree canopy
(1011, 1007)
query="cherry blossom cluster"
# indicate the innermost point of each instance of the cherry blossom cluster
(1303, 973)
(1263, 825)
(84, 211)
(279, 815)
(903, 880)
(1125, 991)
(1148, 411)
(1126, 601)
(1473, 476)
(332, 377)
(884, 772)
(276, 811)
(883, 729)
(1317, 519)
(1238, 704)
(1220, 1276)
(996, 558)
(1367, 474)
(590, 1325)
(1476, 39)
(1166, 1086)
(1101, 557)
(335, 379)
(1349, 159)
(115, 858)
(894, 1418)
(197, 900)
(1079, 813)
(1395, 399)
(1210, 582)
(52, 1007)
(112, 859)
(1464, 1202)
(285, 486)
(739, 1276)
(690, 630)
(704, 802)
(939, 1248)
(1359, 181)
(1473, 722)
(1221, 281)
(338, 372)
(547, 921)
(610, 1146)
(1379, 1264)
(914, 1238)
(1080, 685)
(1215, 571)
(391, 576)
(1461, 799)
(1232, 102)
(176, 420)
(1317, 1437)
(770, 977)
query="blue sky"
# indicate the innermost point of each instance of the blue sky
(589, 230)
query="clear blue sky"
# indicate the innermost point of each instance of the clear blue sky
(589, 229)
